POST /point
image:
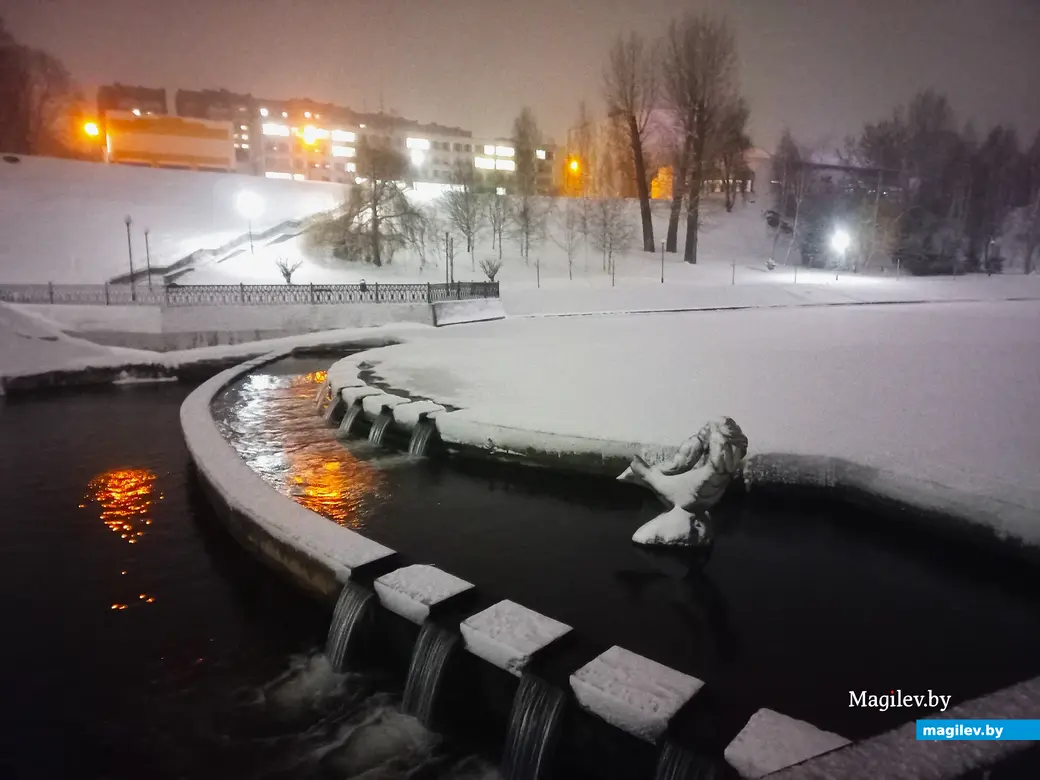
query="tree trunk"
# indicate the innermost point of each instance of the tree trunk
(678, 190)
(693, 208)
(376, 259)
(642, 188)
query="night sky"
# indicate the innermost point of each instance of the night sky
(821, 67)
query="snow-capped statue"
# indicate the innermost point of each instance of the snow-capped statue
(691, 481)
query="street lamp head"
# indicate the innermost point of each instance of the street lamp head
(91, 129)
(127, 220)
(249, 204)
(840, 240)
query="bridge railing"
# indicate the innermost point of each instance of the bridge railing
(243, 294)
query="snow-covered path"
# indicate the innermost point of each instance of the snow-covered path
(945, 393)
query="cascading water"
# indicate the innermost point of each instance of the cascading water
(430, 657)
(352, 608)
(323, 393)
(347, 423)
(335, 405)
(420, 441)
(533, 722)
(379, 426)
(677, 763)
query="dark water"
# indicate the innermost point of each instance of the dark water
(798, 606)
(140, 642)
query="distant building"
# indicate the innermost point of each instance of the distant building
(138, 100)
(305, 140)
(168, 142)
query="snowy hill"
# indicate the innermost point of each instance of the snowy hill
(62, 220)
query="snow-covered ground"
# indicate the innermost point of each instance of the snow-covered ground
(943, 394)
(62, 221)
(31, 345)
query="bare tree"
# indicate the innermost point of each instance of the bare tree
(799, 190)
(496, 212)
(526, 140)
(287, 268)
(35, 93)
(568, 235)
(491, 266)
(630, 89)
(528, 220)
(463, 207)
(611, 229)
(733, 144)
(377, 219)
(699, 83)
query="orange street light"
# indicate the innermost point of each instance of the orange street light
(574, 166)
(91, 129)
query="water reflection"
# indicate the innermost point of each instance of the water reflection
(270, 421)
(126, 497)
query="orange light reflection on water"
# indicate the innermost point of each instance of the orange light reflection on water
(125, 498)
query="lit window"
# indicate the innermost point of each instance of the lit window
(306, 114)
(245, 146)
(417, 143)
(245, 136)
(242, 127)
(340, 136)
(362, 126)
(317, 116)
(505, 165)
(540, 154)
(504, 151)
(263, 112)
(484, 162)
(299, 177)
(312, 134)
(351, 167)
(344, 151)
(270, 129)
(285, 115)
(489, 149)
(500, 191)
(277, 175)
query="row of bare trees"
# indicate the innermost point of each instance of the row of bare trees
(676, 102)
(36, 94)
(937, 196)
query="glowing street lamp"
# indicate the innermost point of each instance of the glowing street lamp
(91, 129)
(575, 166)
(840, 241)
(249, 205)
(417, 157)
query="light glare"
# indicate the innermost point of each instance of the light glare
(840, 240)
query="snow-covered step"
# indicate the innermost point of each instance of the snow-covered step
(352, 395)
(413, 591)
(409, 415)
(631, 692)
(375, 405)
(507, 635)
(771, 741)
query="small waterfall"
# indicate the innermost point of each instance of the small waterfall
(421, 438)
(346, 425)
(335, 405)
(677, 763)
(430, 657)
(351, 609)
(533, 722)
(323, 392)
(379, 426)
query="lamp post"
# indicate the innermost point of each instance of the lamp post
(128, 220)
(662, 261)
(148, 257)
(249, 205)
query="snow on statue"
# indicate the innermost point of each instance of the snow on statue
(691, 481)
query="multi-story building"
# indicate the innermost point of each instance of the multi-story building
(306, 140)
(137, 100)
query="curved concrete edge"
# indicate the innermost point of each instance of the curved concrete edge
(315, 550)
(936, 760)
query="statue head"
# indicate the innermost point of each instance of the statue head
(726, 444)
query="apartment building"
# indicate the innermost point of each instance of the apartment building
(306, 140)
